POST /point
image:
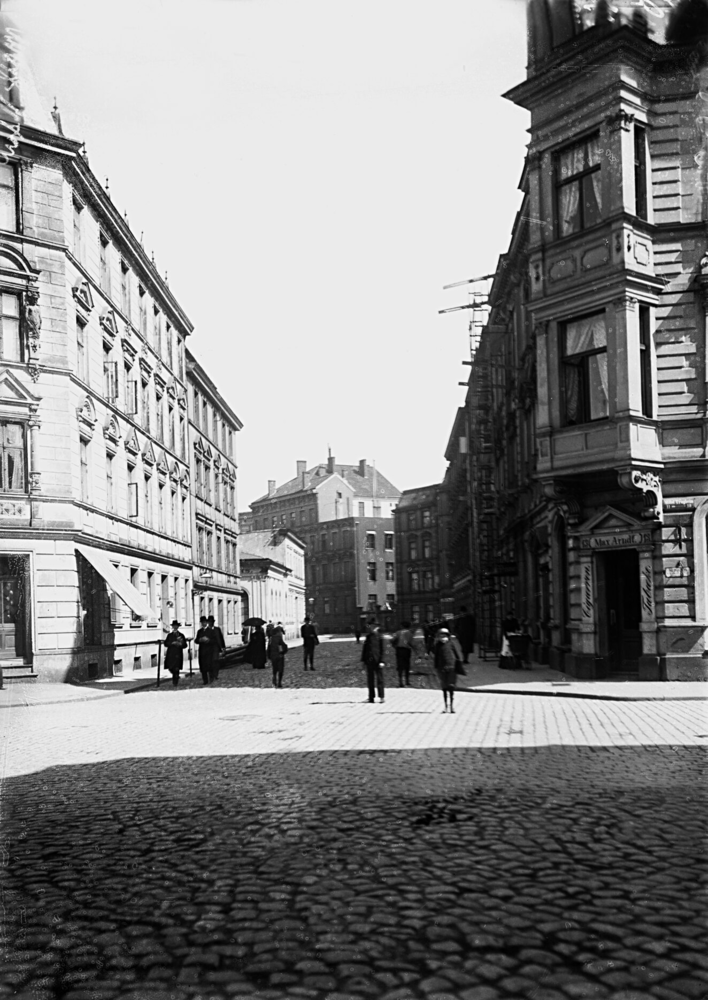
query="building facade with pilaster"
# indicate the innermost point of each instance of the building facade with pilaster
(587, 395)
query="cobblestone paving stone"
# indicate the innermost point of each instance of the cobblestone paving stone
(524, 848)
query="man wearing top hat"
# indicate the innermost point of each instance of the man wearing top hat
(175, 642)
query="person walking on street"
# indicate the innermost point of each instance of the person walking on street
(402, 642)
(175, 642)
(256, 649)
(373, 655)
(219, 648)
(446, 657)
(357, 631)
(465, 629)
(277, 649)
(309, 641)
(269, 629)
(205, 644)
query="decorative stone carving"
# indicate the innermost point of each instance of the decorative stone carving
(132, 444)
(145, 368)
(647, 483)
(82, 295)
(148, 453)
(86, 413)
(33, 319)
(111, 430)
(564, 499)
(620, 120)
(109, 327)
(129, 351)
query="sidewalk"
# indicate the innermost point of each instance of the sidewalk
(26, 694)
(486, 677)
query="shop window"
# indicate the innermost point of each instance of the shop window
(584, 369)
(578, 186)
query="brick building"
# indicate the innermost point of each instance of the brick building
(344, 514)
(587, 394)
(421, 555)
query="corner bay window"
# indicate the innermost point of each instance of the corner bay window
(8, 197)
(579, 186)
(12, 458)
(584, 369)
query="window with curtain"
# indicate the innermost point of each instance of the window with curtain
(584, 369)
(8, 197)
(12, 458)
(578, 186)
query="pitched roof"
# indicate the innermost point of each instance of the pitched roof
(362, 486)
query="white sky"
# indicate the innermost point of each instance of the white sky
(310, 173)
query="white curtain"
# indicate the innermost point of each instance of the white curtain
(587, 334)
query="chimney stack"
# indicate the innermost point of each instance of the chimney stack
(301, 470)
(330, 463)
(362, 468)
(271, 487)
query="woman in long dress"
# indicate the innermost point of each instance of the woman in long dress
(256, 649)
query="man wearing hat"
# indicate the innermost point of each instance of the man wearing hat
(373, 656)
(175, 642)
(219, 648)
(206, 647)
(310, 639)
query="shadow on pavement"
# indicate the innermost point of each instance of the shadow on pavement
(550, 872)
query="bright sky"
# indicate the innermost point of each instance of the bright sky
(310, 173)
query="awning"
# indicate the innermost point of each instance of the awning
(101, 562)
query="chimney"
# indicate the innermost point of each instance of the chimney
(362, 468)
(301, 471)
(330, 463)
(271, 487)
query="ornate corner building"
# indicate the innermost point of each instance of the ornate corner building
(95, 503)
(588, 394)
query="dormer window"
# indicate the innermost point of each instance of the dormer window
(578, 186)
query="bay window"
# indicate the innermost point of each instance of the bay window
(12, 457)
(584, 369)
(578, 186)
(8, 197)
(10, 341)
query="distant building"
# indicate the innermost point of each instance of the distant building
(421, 564)
(344, 513)
(273, 576)
(215, 551)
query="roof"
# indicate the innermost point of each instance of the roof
(264, 544)
(419, 495)
(362, 486)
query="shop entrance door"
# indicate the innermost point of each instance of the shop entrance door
(11, 607)
(622, 611)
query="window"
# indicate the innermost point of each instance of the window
(145, 405)
(125, 290)
(84, 466)
(390, 571)
(207, 482)
(428, 579)
(200, 545)
(151, 589)
(205, 417)
(415, 581)
(182, 438)
(110, 376)
(160, 429)
(169, 346)
(110, 495)
(131, 394)
(427, 547)
(174, 524)
(8, 197)
(199, 476)
(645, 360)
(371, 602)
(209, 543)
(326, 605)
(82, 366)
(135, 580)
(171, 426)
(147, 501)
(161, 508)
(641, 205)
(142, 312)
(371, 539)
(412, 522)
(10, 342)
(157, 328)
(103, 269)
(578, 186)
(362, 510)
(415, 613)
(429, 613)
(218, 552)
(196, 408)
(12, 458)
(377, 510)
(427, 520)
(584, 362)
(371, 572)
(388, 541)
(334, 540)
(132, 493)
(412, 548)
(78, 227)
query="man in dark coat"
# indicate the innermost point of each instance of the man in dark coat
(206, 647)
(309, 641)
(256, 649)
(219, 648)
(174, 643)
(465, 629)
(373, 655)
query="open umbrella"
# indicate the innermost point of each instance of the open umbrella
(254, 622)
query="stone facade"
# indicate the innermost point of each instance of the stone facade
(273, 576)
(215, 551)
(587, 395)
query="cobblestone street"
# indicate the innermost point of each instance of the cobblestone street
(217, 843)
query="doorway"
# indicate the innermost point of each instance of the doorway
(620, 607)
(12, 607)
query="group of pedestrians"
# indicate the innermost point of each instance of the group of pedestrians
(270, 645)
(210, 645)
